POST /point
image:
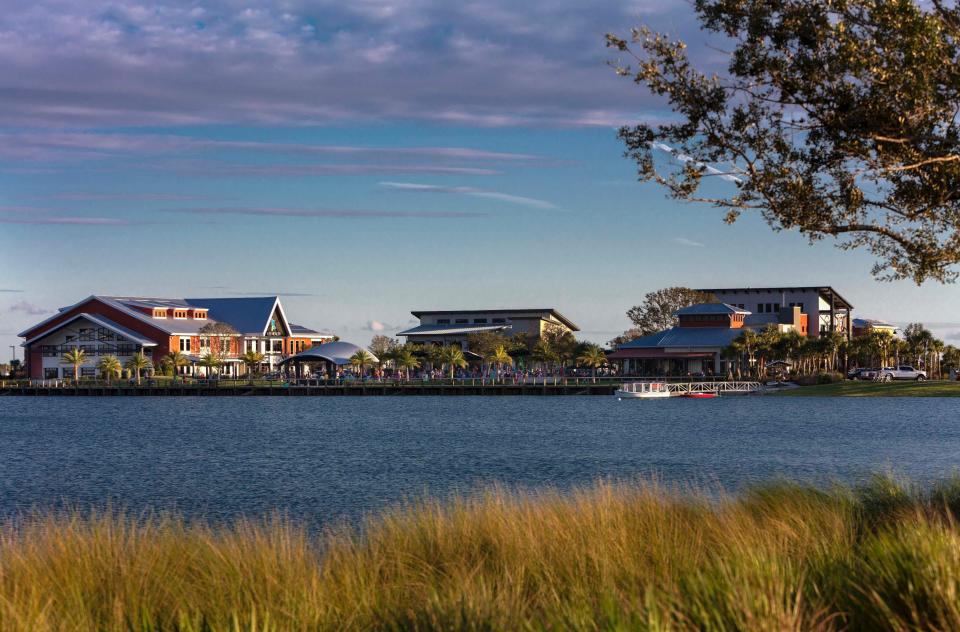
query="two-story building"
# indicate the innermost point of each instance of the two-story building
(123, 325)
(821, 307)
(693, 346)
(452, 327)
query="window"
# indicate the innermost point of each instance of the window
(49, 351)
(50, 373)
(499, 320)
(86, 334)
(88, 371)
(463, 321)
(200, 315)
(479, 321)
(159, 313)
(760, 307)
(443, 321)
(184, 344)
(204, 343)
(71, 338)
(180, 313)
(277, 346)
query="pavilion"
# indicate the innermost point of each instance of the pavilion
(331, 355)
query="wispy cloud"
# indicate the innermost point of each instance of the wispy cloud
(683, 241)
(47, 145)
(207, 169)
(25, 307)
(337, 213)
(412, 187)
(11, 291)
(81, 196)
(69, 220)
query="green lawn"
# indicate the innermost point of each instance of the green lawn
(877, 389)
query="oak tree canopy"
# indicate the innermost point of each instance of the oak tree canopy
(836, 118)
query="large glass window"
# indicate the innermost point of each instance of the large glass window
(278, 345)
(184, 343)
(50, 373)
(88, 371)
(87, 334)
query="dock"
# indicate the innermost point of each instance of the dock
(354, 389)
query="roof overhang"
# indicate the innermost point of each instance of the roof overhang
(822, 289)
(103, 322)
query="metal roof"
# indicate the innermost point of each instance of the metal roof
(97, 319)
(710, 308)
(871, 322)
(822, 289)
(520, 313)
(248, 315)
(336, 352)
(300, 330)
(685, 337)
(449, 330)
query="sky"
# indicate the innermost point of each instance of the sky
(363, 160)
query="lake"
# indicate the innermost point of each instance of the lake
(321, 459)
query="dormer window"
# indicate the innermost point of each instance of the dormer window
(159, 313)
(200, 315)
(180, 314)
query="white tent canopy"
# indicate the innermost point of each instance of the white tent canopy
(337, 353)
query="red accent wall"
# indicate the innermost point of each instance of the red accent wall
(94, 306)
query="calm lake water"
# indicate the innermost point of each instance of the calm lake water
(322, 459)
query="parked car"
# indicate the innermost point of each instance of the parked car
(863, 373)
(902, 372)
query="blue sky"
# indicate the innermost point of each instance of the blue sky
(362, 161)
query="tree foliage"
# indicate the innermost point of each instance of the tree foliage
(834, 118)
(656, 312)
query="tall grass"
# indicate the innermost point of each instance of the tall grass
(608, 557)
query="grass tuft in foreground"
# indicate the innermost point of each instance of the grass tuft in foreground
(611, 557)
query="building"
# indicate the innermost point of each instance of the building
(125, 325)
(453, 327)
(863, 326)
(693, 346)
(823, 307)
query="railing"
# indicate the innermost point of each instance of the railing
(714, 387)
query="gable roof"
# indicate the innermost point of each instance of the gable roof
(248, 315)
(103, 321)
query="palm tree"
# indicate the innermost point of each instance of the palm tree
(361, 359)
(498, 358)
(137, 363)
(406, 360)
(251, 359)
(210, 361)
(746, 343)
(543, 353)
(452, 357)
(593, 357)
(109, 366)
(76, 357)
(174, 360)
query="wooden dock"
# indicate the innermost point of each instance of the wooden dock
(351, 390)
